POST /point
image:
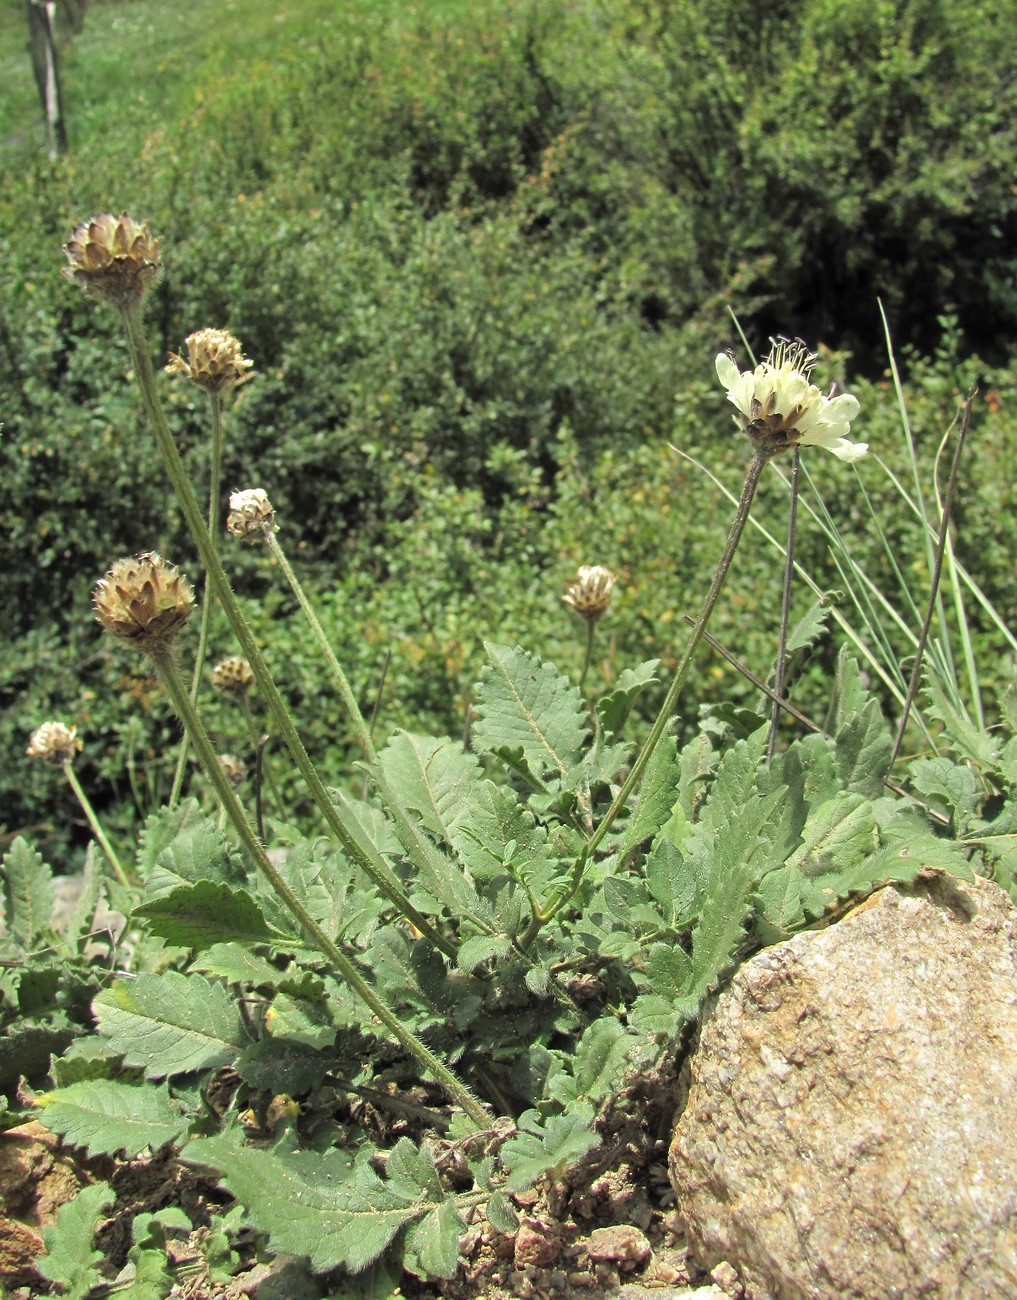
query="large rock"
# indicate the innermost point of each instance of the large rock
(851, 1122)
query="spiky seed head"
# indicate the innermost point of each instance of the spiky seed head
(143, 600)
(233, 677)
(234, 769)
(251, 515)
(215, 361)
(113, 258)
(54, 743)
(590, 594)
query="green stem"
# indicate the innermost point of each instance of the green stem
(345, 693)
(94, 823)
(351, 836)
(666, 714)
(785, 607)
(591, 624)
(410, 835)
(214, 492)
(170, 678)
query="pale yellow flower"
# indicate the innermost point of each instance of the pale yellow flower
(780, 408)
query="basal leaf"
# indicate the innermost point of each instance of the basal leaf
(79, 918)
(236, 964)
(950, 787)
(779, 908)
(658, 792)
(614, 709)
(966, 739)
(434, 778)
(671, 883)
(600, 1058)
(837, 835)
(284, 1066)
(70, 1257)
(27, 884)
(161, 829)
(432, 1244)
(547, 1148)
(480, 948)
(198, 852)
(205, 913)
(311, 1205)
(526, 704)
(106, 1116)
(170, 1023)
(501, 1213)
(496, 834)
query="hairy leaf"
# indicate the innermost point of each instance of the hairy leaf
(320, 1206)
(614, 709)
(434, 778)
(27, 892)
(525, 704)
(198, 852)
(107, 1117)
(170, 1023)
(547, 1147)
(658, 791)
(205, 913)
(70, 1257)
(950, 787)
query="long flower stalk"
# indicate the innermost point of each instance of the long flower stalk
(785, 608)
(357, 845)
(94, 823)
(666, 715)
(169, 676)
(214, 493)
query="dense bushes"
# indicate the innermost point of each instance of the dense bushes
(475, 253)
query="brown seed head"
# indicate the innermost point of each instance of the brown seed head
(215, 361)
(234, 769)
(113, 258)
(590, 595)
(233, 677)
(143, 600)
(54, 743)
(251, 515)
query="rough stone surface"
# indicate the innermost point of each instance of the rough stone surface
(852, 1106)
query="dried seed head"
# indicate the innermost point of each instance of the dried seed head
(215, 361)
(54, 743)
(113, 258)
(143, 600)
(233, 676)
(590, 595)
(234, 769)
(251, 515)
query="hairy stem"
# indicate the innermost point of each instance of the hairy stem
(785, 606)
(666, 714)
(351, 836)
(93, 822)
(207, 601)
(170, 678)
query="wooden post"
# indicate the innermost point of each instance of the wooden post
(42, 47)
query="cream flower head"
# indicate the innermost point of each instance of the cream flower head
(54, 743)
(590, 594)
(780, 408)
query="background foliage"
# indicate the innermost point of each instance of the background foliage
(475, 251)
